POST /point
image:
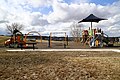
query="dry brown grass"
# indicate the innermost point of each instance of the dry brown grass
(59, 65)
(3, 39)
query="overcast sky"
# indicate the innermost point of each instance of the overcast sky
(47, 16)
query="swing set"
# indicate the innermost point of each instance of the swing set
(65, 39)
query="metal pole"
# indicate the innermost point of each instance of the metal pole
(67, 40)
(40, 38)
(50, 39)
(91, 25)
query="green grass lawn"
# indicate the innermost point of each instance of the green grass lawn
(59, 65)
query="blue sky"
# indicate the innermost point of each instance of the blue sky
(103, 2)
(46, 10)
(47, 16)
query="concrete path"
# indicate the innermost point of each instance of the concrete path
(114, 50)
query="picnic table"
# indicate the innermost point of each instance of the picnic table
(29, 43)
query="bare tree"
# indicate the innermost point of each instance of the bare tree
(13, 26)
(76, 31)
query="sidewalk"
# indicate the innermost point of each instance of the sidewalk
(90, 50)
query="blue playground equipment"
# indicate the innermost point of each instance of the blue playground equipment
(95, 38)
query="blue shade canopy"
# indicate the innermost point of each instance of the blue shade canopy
(92, 18)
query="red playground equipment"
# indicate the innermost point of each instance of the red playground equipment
(94, 38)
(16, 39)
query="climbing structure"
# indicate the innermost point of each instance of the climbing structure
(94, 38)
(16, 39)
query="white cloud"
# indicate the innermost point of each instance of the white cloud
(37, 3)
(61, 17)
(38, 19)
(63, 12)
(80, 1)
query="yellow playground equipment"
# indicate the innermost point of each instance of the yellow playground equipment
(94, 38)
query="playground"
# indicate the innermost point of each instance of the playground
(49, 58)
(27, 57)
(88, 40)
(41, 58)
